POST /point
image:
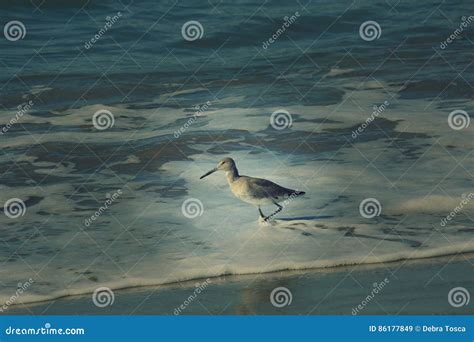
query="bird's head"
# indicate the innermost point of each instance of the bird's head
(225, 164)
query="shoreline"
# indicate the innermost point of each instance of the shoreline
(228, 282)
(309, 269)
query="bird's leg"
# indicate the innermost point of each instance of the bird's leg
(276, 212)
(260, 211)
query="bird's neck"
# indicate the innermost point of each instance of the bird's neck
(232, 175)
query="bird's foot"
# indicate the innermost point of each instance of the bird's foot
(267, 222)
(268, 218)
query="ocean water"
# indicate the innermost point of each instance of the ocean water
(180, 105)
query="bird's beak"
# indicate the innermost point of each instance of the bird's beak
(208, 173)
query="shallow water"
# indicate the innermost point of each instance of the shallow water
(153, 82)
(412, 287)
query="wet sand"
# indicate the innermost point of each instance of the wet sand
(416, 287)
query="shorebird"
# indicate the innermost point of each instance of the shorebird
(256, 191)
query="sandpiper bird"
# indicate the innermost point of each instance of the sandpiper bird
(256, 191)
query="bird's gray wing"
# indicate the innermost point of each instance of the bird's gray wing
(263, 188)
